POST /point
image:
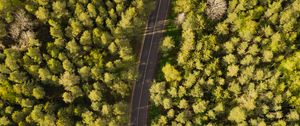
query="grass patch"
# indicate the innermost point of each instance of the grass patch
(154, 113)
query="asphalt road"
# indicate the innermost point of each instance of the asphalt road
(147, 63)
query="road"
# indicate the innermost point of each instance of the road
(147, 63)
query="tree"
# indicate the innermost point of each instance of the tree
(59, 8)
(167, 103)
(44, 74)
(268, 31)
(95, 95)
(109, 77)
(86, 38)
(158, 88)
(106, 110)
(68, 66)
(73, 47)
(253, 49)
(216, 8)
(267, 56)
(248, 29)
(167, 44)
(55, 66)
(35, 54)
(276, 42)
(22, 23)
(18, 77)
(42, 14)
(84, 72)
(119, 108)
(68, 97)
(293, 116)
(49, 120)
(69, 79)
(55, 29)
(92, 10)
(183, 117)
(170, 73)
(18, 116)
(121, 88)
(183, 104)
(76, 27)
(232, 70)
(106, 38)
(222, 28)
(4, 121)
(112, 48)
(85, 19)
(38, 92)
(126, 53)
(199, 107)
(126, 18)
(161, 121)
(42, 2)
(242, 48)
(237, 115)
(247, 60)
(184, 5)
(230, 59)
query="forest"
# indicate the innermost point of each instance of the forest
(68, 62)
(229, 62)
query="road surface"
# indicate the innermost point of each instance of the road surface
(147, 64)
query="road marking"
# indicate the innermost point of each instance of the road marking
(150, 33)
(138, 114)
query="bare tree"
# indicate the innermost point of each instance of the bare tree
(25, 37)
(21, 23)
(21, 30)
(180, 19)
(216, 9)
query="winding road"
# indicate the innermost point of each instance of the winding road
(147, 64)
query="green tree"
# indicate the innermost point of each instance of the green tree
(86, 38)
(171, 73)
(35, 54)
(73, 47)
(38, 92)
(55, 30)
(237, 115)
(232, 70)
(18, 77)
(5, 121)
(55, 66)
(59, 8)
(95, 95)
(42, 2)
(112, 48)
(42, 14)
(267, 56)
(167, 44)
(167, 103)
(84, 72)
(45, 74)
(69, 79)
(68, 66)
(76, 27)
(85, 19)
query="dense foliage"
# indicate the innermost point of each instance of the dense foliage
(68, 62)
(239, 69)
